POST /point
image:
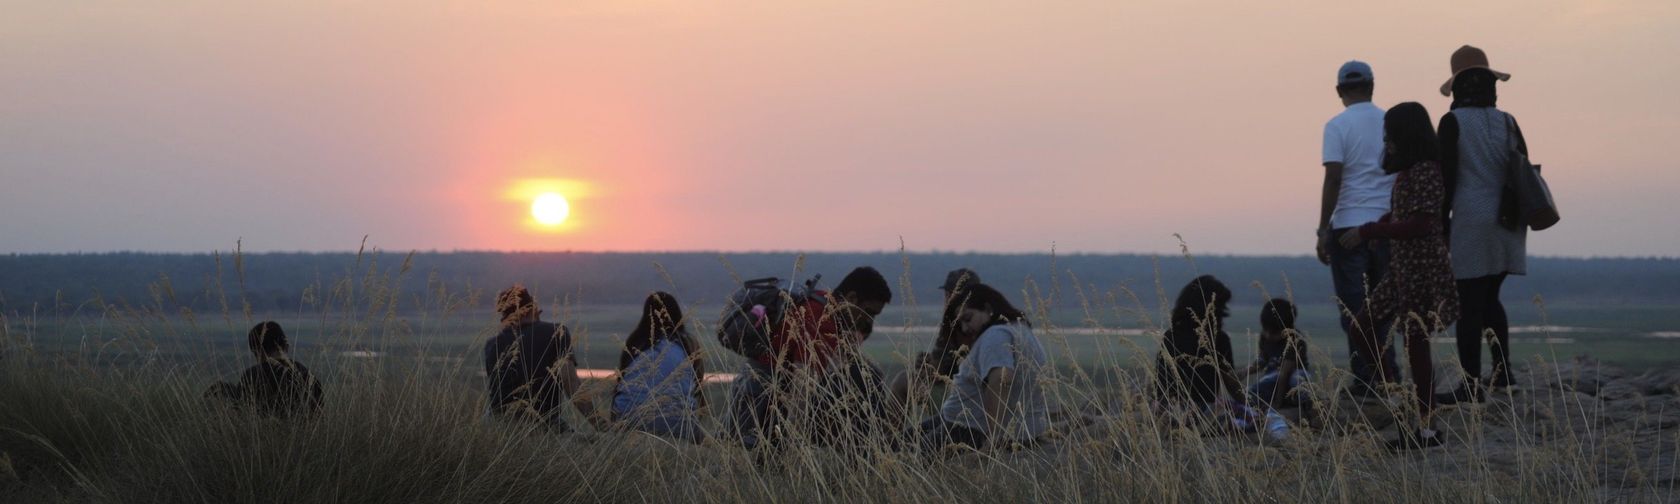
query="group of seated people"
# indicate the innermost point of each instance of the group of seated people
(811, 383)
(1196, 362)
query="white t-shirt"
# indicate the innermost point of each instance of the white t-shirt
(1354, 138)
(1010, 346)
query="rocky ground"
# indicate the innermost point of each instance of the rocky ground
(1578, 420)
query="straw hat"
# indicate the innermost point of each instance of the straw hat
(1466, 58)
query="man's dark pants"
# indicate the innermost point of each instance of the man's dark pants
(1355, 272)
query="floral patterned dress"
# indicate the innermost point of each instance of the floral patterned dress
(1419, 284)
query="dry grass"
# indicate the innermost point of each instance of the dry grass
(105, 423)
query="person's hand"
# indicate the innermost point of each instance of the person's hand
(1324, 248)
(600, 422)
(1351, 238)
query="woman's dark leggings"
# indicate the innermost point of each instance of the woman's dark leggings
(1481, 312)
(1415, 334)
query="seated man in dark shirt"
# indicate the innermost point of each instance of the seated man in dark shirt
(529, 365)
(814, 376)
(277, 386)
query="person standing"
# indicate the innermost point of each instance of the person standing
(1417, 294)
(1476, 141)
(1356, 192)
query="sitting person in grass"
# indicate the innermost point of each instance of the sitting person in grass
(1282, 365)
(276, 386)
(813, 383)
(1195, 362)
(950, 345)
(996, 398)
(659, 374)
(529, 365)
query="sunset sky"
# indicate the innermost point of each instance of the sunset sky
(1102, 126)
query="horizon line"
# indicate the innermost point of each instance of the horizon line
(370, 250)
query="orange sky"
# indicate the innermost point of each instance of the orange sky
(992, 126)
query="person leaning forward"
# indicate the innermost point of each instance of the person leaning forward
(949, 345)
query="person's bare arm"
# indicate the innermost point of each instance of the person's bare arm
(1233, 385)
(699, 358)
(1285, 381)
(995, 398)
(918, 377)
(1327, 205)
(900, 387)
(566, 374)
(899, 391)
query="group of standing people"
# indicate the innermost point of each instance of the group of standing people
(1412, 215)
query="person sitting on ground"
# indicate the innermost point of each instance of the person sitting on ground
(1195, 359)
(277, 385)
(849, 407)
(659, 374)
(529, 366)
(996, 399)
(811, 356)
(949, 345)
(1282, 363)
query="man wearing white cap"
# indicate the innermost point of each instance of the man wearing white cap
(1356, 191)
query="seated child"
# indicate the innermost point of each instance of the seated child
(1282, 364)
(276, 386)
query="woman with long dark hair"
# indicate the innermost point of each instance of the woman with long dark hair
(1476, 143)
(1196, 360)
(1417, 296)
(995, 397)
(660, 372)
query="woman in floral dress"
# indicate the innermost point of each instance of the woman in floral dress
(1417, 295)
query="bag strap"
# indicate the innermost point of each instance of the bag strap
(1510, 133)
(762, 282)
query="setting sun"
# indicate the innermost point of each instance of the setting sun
(549, 203)
(550, 209)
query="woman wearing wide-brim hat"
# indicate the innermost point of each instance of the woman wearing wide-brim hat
(1476, 141)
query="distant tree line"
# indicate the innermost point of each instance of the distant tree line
(61, 283)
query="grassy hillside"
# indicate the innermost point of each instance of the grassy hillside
(104, 405)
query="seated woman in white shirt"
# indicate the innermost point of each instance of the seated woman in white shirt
(995, 398)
